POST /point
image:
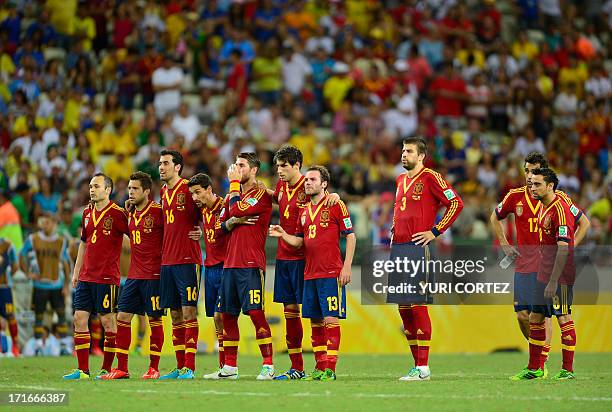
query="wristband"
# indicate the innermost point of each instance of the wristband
(234, 186)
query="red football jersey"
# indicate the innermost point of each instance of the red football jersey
(556, 223)
(146, 238)
(247, 243)
(417, 201)
(103, 232)
(321, 228)
(180, 216)
(526, 210)
(215, 239)
(291, 203)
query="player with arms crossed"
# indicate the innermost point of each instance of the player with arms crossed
(180, 263)
(525, 208)
(243, 281)
(44, 257)
(556, 275)
(96, 274)
(420, 193)
(215, 239)
(8, 266)
(326, 275)
(140, 293)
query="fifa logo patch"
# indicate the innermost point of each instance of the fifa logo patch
(251, 201)
(450, 195)
(574, 210)
(563, 231)
(347, 222)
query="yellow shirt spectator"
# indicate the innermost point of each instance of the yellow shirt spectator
(479, 57)
(335, 90)
(175, 24)
(71, 114)
(545, 86)
(119, 167)
(577, 75)
(63, 13)
(525, 50)
(7, 68)
(86, 28)
(307, 143)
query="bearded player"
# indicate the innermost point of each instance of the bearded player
(525, 208)
(326, 275)
(555, 278)
(242, 285)
(181, 260)
(420, 193)
(215, 239)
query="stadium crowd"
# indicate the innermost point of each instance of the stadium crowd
(103, 85)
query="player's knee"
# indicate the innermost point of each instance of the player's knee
(563, 319)
(536, 317)
(522, 316)
(80, 320)
(218, 318)
(189, 312)
(292, 307)
(176, 315)
(331, 320)
(108, 322)
(124, 317)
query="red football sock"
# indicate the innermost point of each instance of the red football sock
(178, 340)
(231, 338)
(82, 341)
(537, 335)
(122, 343)
(221, 350)
(263, 334)
(409, 330)
(191, 342)
(96, 334)
(332, 336)
(109, 350)
(156, 342)
(14, 331)
(568, 344)
(422, 324)
(319, 344)
(294, 337)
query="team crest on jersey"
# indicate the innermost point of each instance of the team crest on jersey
(108, 225)
(324, 221)
(519, 209)
(180, 201)
(148, 224)
(547, 223)
(302, 197)
(418, 189)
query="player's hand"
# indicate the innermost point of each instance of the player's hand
(65, 291)
(276, 231)
(345, 275)
(196, 233)
(261, 185)
(129, 206)
(510, 250)
(423, 238)
(332, 199)
(246, 220)
(551, 289)
(233, 173)
(75, 280)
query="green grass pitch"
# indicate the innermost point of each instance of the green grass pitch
(365, 383)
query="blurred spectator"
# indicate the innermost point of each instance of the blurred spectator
(167, 81)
